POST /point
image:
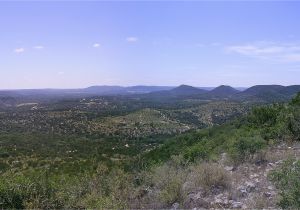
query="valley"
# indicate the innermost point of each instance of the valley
(101, 145)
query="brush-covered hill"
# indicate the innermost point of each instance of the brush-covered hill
(268, 93)
(182, 91)
(255, 94)
(290, 90)
(251, 163)
(186, 90)
(223, 91)
(257, 89)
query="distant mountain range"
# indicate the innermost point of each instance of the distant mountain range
(93, 90)
(268, 93)
(257, 93)
(108, 90)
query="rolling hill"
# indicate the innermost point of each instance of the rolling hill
(186, 90)
(257, 93)
(223, 91)
(182, 91)
(268, 93)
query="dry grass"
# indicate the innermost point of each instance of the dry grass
(173, 181)
(168, 180)
(208, 176)
(259, 202)
(277, 155)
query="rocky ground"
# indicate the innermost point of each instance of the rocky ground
(250, 186)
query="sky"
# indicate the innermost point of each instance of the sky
(75, 44)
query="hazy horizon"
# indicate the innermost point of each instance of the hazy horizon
(67, 45)
(124, 86)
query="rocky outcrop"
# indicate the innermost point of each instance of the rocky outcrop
(250, 186)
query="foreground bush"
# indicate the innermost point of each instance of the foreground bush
(36, 191)
(167, 181)
(293, 124)
(287, 179)
(244, 148)
(174, 180)
(265, 115)
(208, 176)
(39, 190)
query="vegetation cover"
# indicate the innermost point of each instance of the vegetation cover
(42, 169)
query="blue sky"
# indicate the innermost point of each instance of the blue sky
(78, 44)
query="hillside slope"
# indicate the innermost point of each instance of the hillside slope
(251, 162)
(268, 93)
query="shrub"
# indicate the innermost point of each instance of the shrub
(40, 190)
(167, 181)
(296, 100)
(265, 115)
(287, 179)
(35, 191)
(94, 201)
(293, 124)
(244, 148)
(174, 180)
(107, 189)
(209, 175)
(197, 151)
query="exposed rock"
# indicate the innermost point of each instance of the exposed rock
(223, 158)
(229, 168)
(260, 162)
(237, 205)
(200, 193)
(218, 200)
(242, 192)
(254, 176)
(271, 164)
(250, 187)
(192, 202)
(267, 194)
(221, 201)
(216, 190)
(196, 199)
(234, 196)
(175, 206)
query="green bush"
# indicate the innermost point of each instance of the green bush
(197, 151)
(19, 191)
(243, 148)
(265, 115)
(167, 180)
(39, 190)
(293, 123)
(287, 179)
(296, 100)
